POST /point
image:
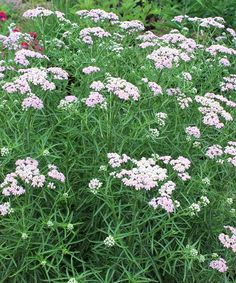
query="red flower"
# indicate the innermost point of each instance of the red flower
(3, 16)
(16, 30)
(33, 34)
(24, 45)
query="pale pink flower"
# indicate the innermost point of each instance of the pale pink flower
(219, 264)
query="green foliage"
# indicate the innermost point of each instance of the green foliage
(57, 234)
(199, 8)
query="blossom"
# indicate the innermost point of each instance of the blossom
(187, 76)
(214, 151)
(156, 89)
(58, 73)
(164, 202)
(4, 151)
(94, 185)
(55, 174)
(217, 48)
(228, 242)
(27, 172)
(97, 15)
(219, 264)
(144, 175)
(214, 22)
(154, 133)
(181, 164)
(91, 69)
(166, 57)
(109, 241)
(67, 102)
(193, 131)
(115, 160)
(225, 62)
(212, 110)
(43, 12)
(175, 37)
(229, 83)
(87, 34)
(5, 208)
(94, 98)
(167, 188)
(21, 56)
(97, 86)
(194, 208)
(132, 26)
(32, 102)
(161, 118)
(3, 16)
(121, 88)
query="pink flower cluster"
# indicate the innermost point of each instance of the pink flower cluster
(147, 174)
(146, 44)
(148, 39)
(132, 26)
(155, 88)
(14, 39)
(215, 22)
(212, 110)
(58, 73)
(67, 102)
(27, 171)
(230, 149)
(229, 83)
(231, 32)
(144, 175)
(214, 151)
(35, 76)
(55, 174)
(97, 85)
(175, 37)
(90, 70)
(95, 98)
(164, 200)
(193, 131)
(87, 34)
(121, 88)
(148, 36)
(229, 242)
(217, 150)
(97, 15)
(43, 12)
(21, 56)
(32, 101)
(116, 160)
(219, 264)
(166, 57)
(37, 12)
(180, 165)
(224, 62)
(217, 48)
(5, 208)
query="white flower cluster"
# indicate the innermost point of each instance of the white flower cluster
(109, 241)
(196, 207)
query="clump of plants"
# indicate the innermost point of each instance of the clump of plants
(118, 150)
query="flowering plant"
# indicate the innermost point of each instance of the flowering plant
(117, 150)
